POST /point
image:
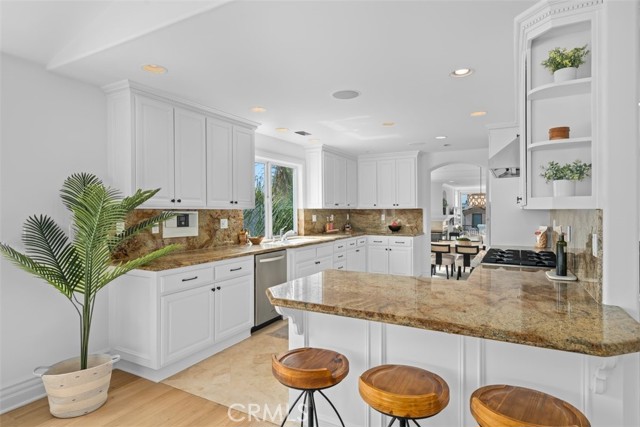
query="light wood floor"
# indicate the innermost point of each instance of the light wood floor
(134, 401)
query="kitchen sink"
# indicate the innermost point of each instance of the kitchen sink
(294, 240)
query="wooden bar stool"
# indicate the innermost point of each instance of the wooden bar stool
(310, 370)
(510, 406)
(405, 393)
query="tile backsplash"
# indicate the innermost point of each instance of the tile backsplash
(585, 223)
(365, 220)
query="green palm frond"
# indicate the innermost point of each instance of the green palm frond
(82, 267)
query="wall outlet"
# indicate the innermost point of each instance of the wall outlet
(331, 218)
(594, 244)
(224, 223)
(382, 216)
(567, 233)
(155, 229)
(314, 218)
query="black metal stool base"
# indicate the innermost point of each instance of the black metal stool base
(404, 422)
(309, 406)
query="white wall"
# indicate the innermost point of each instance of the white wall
(267, 146)
(51, 127)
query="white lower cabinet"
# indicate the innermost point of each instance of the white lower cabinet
(357, 259)
(163, 322)
(398, 255)
(309, 260)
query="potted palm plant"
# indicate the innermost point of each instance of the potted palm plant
(79, 268)
(564, 177)
(564, 63)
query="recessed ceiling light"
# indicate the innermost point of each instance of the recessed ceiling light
(154, 68)
(258, 109)
(461, 72)
(446, 145)
(346, 94)
(282, 130)
(478, 113)
(416, 143)
(441, 137)
(388, 124)
(452, 181)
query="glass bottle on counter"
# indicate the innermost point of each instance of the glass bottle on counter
(561, 256)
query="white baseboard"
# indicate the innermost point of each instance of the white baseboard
(21, 393)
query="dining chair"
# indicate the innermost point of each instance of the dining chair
(465, 261)
(441, 255)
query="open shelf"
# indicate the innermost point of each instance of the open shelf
(555, 90)
(560, 144)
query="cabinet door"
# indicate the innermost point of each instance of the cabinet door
(190, 159)
(328, 180)
(234, 307)
(243, 168)
(154, 150)
(400, 261)
(306, 268)
(386, 183)
(357, 260)
(352, 183)
(367, 184)
(377, 259)
(219, 164)
(405, 183)
(340, 182)
(324, 263)
(187, 323)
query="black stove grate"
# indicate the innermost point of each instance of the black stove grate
(524, 258)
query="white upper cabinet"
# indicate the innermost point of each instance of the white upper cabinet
(230, 160)
(330, 179)
(158, 141)
(545, 103)
(387, 182)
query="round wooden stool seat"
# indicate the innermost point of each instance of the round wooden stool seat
(309, 368)
(404, 391)
(510, 406)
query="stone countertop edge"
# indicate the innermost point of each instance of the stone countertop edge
(220, 253)
(537, 313)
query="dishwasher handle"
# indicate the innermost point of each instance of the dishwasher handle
(278, 258)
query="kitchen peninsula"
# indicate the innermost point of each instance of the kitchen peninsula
(501, 326)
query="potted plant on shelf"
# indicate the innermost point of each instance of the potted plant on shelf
(564, 63)
(564, 177)
(79, 267)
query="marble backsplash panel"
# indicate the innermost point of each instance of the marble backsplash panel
(364, 220)
(209, 233)
(585, 223)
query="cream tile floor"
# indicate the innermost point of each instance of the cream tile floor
(240, 376)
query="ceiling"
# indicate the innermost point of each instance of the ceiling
(290, 56)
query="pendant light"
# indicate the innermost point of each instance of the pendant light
(478, 200)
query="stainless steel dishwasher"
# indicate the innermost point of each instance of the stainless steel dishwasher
(270, 270)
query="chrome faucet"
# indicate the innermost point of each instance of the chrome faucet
(286, 235)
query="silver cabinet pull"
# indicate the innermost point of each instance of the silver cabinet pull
(190, 278)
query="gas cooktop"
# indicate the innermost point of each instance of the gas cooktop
(545, 259)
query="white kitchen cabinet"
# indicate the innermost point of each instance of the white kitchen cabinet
(397, 255)
(170, 149)
(387, 182)
(187, 322)
(163, 322)
(155, 140)
(230, 166)
(357, 259)
(544, 104)
(309, 260)
(330, 179)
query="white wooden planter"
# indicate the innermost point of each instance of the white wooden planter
(73, 392)
(564, 188)
(565, 74)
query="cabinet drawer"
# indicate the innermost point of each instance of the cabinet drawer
(340, 256)
(233, 269)
(342, 265)
(186, 279)
(323, 251)
(305, 254)
(378, 240)
(400, 241)
(352, 243)
(361, 241)
(340, 246)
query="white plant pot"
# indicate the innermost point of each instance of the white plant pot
(565, 74)
(73, 392)
(564, 188)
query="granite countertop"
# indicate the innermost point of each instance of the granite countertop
(202, 256)
(518, 305)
